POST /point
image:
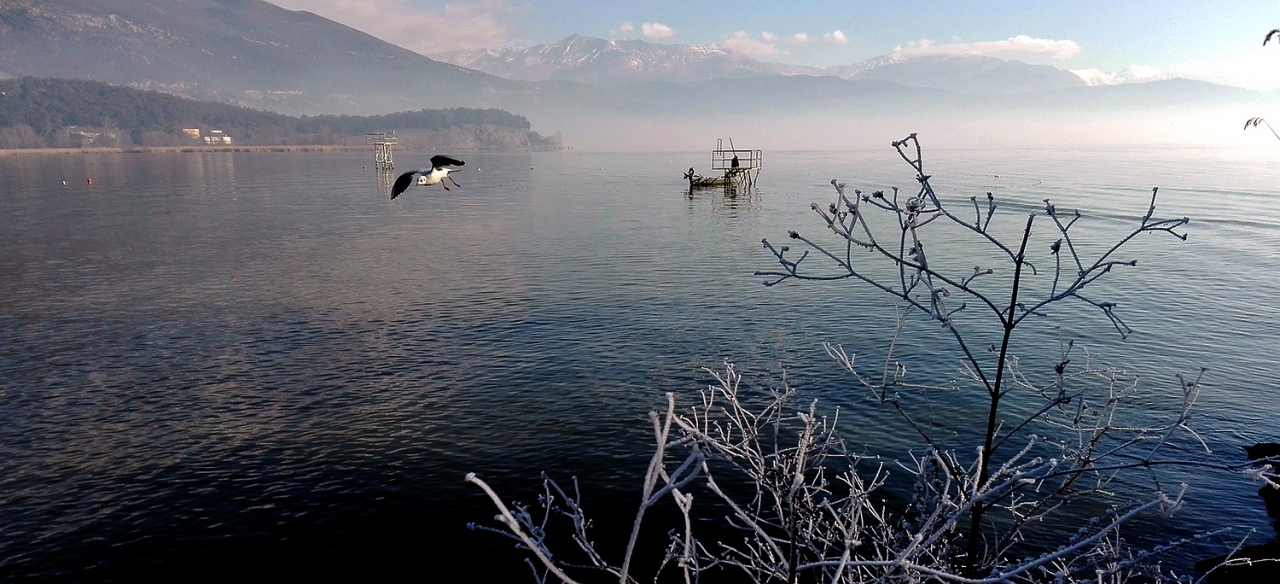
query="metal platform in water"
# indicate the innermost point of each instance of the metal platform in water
(382, 143)
(736, 167)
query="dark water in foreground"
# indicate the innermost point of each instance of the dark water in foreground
(237, 362)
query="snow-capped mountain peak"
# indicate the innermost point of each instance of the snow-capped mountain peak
(612, 62)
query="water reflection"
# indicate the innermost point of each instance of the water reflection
(386, 178)
(728, 201)
(211, 170)
(738, 201)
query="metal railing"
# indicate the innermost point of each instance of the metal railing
(375, 138)
(731, 158)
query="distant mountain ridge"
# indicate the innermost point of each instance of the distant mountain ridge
(245, 51)
(613, 62)
(969, 74)
(603, 62)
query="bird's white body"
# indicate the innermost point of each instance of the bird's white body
(436, 175)
(439, 171)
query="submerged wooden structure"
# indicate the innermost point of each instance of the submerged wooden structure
(731, 168)
(382, 143)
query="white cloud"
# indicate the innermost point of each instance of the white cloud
(835, 37)
(766, 45)
(1096, 76)
(624, 29)
(1256, 70)
(1018, 45)
(748, 45)
(657, 30)
(1132, 74)
(466, 24)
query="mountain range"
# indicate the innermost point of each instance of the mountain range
(616, 62)
(252, 53)
(970, 74)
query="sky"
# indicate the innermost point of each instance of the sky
(1102, 41)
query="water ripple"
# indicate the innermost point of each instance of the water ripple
(257, 361)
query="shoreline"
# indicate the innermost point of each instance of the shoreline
(202, 149)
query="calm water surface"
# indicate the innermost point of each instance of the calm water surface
(223, 362)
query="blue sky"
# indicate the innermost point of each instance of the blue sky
(1107, 41)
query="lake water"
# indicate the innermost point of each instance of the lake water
(223, 362)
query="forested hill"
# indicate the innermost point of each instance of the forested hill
(48, 106)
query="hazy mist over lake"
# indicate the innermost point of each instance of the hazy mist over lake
(951, 128)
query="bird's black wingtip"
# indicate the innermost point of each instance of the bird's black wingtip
(402, 183)
(445, 160)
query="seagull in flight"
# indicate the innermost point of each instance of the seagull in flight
(440, 169)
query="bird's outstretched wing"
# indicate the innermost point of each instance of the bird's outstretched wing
(1269, 35)
(440, 160)
(402, 182)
